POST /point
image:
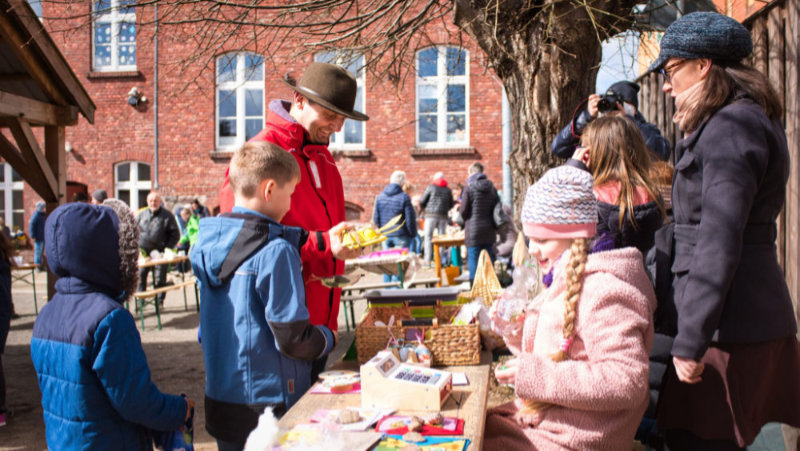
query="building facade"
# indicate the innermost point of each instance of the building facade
(178, 128)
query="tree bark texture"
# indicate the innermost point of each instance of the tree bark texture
(547, 54)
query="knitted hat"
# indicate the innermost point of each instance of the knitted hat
(627, 90)
(560, 205)
(704, 35)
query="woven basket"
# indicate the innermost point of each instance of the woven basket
(485, 284)
(449, 344)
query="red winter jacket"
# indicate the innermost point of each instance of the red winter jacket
(317, 205)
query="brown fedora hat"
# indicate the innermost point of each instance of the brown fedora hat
(331, 86)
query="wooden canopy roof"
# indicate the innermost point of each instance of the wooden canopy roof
(37, 89)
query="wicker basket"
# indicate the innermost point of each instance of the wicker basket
(449, 344)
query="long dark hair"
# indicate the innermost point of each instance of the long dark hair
(726, 82)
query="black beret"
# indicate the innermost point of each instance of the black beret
(627, 90)
(704, 35)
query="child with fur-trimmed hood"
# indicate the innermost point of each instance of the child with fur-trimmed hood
(92, 370)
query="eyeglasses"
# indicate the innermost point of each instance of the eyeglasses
(668, 72)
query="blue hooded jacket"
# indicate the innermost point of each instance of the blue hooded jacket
(392, 202)
(257, 340)
(92, 370)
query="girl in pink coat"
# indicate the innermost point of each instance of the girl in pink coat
(581, 347)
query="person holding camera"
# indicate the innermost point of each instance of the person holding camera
(620, 98)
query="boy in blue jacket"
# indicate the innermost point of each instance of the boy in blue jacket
(257, 340)
(92, 370)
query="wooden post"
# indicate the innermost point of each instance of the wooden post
(792, 108)
(54, 143)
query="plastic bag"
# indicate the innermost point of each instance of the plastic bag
(181, 439)
(515, 299)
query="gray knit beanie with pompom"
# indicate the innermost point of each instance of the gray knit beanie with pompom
(128, 245)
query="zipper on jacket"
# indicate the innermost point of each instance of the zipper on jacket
(330, 224)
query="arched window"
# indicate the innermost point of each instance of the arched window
(132, 183)
(353, 132)
(442, 97)
(240, 98)
(114, 35)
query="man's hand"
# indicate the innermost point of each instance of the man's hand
(340, 251)
(688, 370)
(592, 106)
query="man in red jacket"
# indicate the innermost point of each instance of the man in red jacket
(323, 97)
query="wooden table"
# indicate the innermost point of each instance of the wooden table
(27, 267)
(443, 241)
(467, 401)
(391, 265)
(141, 297)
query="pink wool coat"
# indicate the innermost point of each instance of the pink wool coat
(601, 392)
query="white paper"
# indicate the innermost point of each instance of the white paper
(460, 379)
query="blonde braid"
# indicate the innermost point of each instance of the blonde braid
(578, 253)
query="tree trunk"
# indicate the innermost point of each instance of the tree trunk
(547, 57)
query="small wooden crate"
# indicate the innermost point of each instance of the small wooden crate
(449, 344)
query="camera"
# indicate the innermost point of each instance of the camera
(608, 102)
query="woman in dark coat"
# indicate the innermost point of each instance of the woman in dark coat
(6, 311)
(736, 361)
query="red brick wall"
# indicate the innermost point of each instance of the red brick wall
(186, 113)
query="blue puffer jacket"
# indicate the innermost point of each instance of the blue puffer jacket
(92, 370)
(257, 340)
(392, 202)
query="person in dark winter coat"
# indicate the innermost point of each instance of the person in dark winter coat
(158, 230)
(36, 230)
(568, 139)
(478, 199)
(6, 313)
(736, 361)
(391, 202)
(92, 370)
(436, 202)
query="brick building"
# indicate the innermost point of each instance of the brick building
(204, 111)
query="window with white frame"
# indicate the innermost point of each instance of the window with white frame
(132, 183)
(114, 35)
(442, 97)
(240, 98)
(11, 208)
(352, 134)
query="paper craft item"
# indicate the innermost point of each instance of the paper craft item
(368, 418)
(320, 389)
(395, 442)
(450, 426)
(321, 437)
(460, 379)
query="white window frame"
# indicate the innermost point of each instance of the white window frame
(114, 17)
(345, 59)
(239, 85)
(133, 185)
(441, 81)
(8, 186)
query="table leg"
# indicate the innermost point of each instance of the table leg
(35, 301)
(352, 315)
(400, 274)
(437, 259)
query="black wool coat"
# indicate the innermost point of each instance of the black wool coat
(729, 187)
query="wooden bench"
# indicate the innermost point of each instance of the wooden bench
(143, 298)
(427, 282)
(355, 292)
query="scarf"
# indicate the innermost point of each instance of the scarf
(685, 103)
(603, 242)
